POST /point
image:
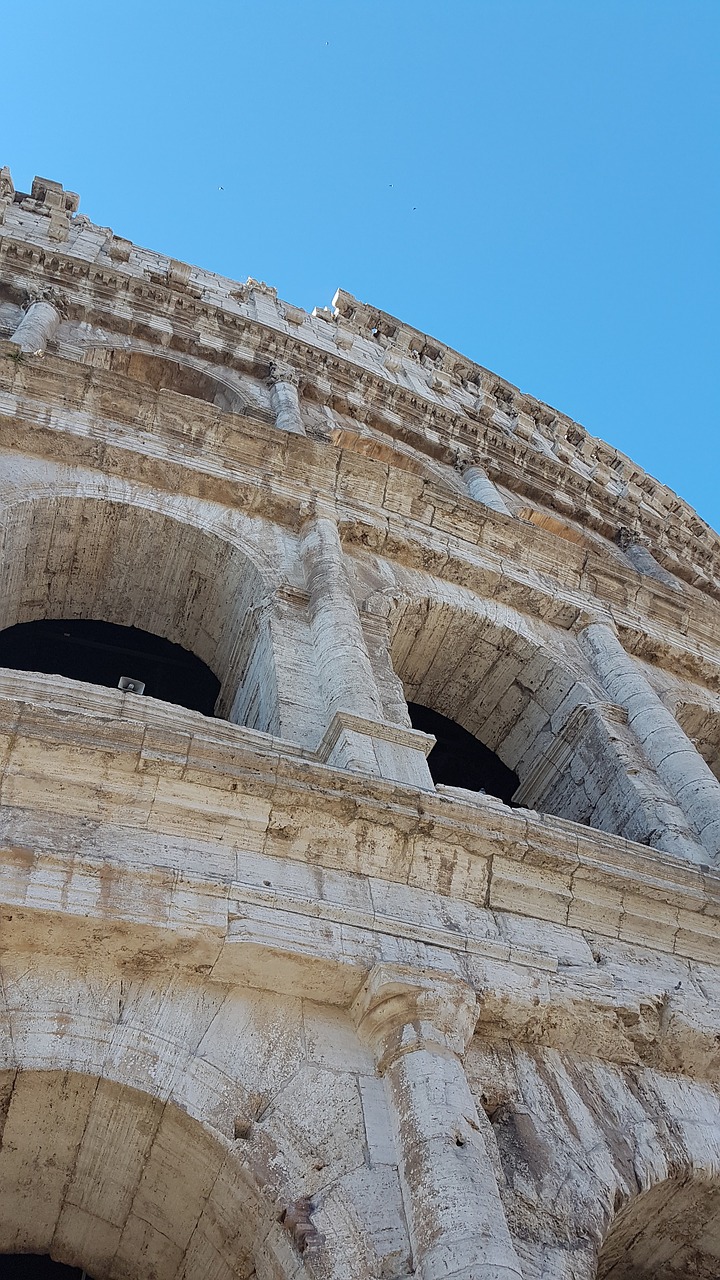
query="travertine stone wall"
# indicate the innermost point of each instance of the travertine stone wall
(273, 1004)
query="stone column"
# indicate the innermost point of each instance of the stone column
(284, 399)
(481, 488)
(419, 1027)
(677, 761)
(356, 736)
(36, 328)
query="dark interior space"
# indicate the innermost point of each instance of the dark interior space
(35, 1266)
(459, 760)
(102, 652)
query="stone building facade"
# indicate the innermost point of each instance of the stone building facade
(275, 1000)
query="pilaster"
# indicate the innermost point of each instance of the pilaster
(356, 735)
(418, 1029)
(37, 327)
(481, 488)
(677, 761)
(285, 398)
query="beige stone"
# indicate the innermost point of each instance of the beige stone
(274, 1004)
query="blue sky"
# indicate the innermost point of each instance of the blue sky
(534, 182)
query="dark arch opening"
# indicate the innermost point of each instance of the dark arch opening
(36, 1266)
(102, 652)
(459, 759)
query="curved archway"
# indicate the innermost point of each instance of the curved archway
(131, 566)
(671, 1232)
(162, 372)
(526, 696)
(104, 1178)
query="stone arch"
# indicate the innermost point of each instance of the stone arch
(95, 556)
(669, 1232)
(526, 694)
(270, 1128)
(400, 456)
(581, 1140)
(108, 1178)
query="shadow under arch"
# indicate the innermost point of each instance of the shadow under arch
(670, 1232)
(106, 1178)
(106, 654)
(93, 558)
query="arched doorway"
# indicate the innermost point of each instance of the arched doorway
(99, 561)
(671, 1232)
(524, 693)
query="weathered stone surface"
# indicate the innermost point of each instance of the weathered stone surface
(272, 1003)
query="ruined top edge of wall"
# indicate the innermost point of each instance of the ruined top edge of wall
(448, 382)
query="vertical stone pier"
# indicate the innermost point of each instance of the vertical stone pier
(679, 764)
(37, 327)
(419, 1030)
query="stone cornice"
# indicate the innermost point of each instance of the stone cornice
(157, 769)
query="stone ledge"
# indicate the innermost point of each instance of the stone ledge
(393, 733)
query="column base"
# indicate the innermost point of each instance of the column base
(378, 748)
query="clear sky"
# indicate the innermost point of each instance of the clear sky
(534, 182)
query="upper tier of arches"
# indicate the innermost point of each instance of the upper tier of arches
(232, 591)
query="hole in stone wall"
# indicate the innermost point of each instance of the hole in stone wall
(459, 759)
(36, 1266)
(102, 652)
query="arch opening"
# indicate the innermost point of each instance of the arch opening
(459, 759)
(104, 652)
(100, 561)
(111, 1181)
(162, 373)
(37, 1266)
(526, 697)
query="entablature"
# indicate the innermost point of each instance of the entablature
(171, 841)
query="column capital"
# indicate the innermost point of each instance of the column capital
(282, 372)
(586, 619)
(399, 1010)
(35, 293)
